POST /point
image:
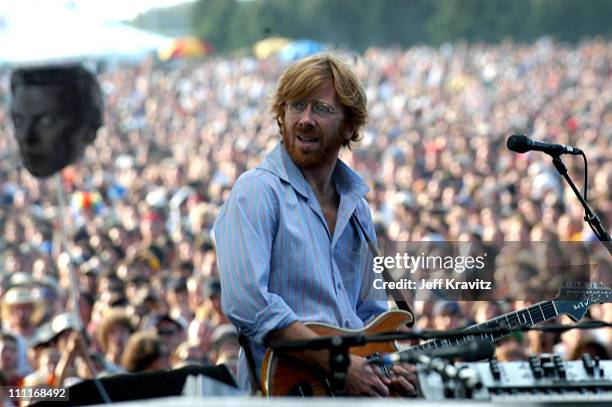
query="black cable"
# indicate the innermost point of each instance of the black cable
(584, 194)
(589, 216)
(586, 176)
(594, 324)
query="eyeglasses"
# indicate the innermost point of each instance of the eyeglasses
(319, 108)
(166, 332)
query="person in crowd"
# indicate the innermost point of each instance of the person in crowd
(510, 349)
(211, 309)
(8, 359)
(177, 298)
(484, 311)
(5, 400)
(591, 346)
(172, 330)
(22, 310)
(200, 334)
(113, 333)
(145, 351)
(447, 315)
(44, 375)
(42, 339)
(71, 342)
(188, 353)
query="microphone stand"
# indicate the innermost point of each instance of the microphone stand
(589, 216)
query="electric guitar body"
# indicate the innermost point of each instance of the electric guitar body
(285, 375)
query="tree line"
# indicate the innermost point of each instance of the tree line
(233, 24)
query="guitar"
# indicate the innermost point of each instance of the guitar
(283, 375)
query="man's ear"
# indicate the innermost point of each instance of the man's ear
(281, 128)
(349, 132)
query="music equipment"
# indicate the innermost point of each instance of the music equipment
(283, 375)
(546, 378)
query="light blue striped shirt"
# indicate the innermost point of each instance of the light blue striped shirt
(279, 262)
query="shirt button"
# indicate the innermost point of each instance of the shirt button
(346, 324)
(339, 286)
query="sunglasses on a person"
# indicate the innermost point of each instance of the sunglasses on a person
(166, 332)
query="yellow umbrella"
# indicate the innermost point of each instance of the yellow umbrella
(269, 46)
(185, 47)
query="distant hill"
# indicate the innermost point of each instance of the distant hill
(171, 21)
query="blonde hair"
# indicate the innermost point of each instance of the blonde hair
(112, 318)
(305, 76)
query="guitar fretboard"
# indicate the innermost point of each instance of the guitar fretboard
(509, 322)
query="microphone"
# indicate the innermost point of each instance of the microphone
(472, 351)
(520, 143)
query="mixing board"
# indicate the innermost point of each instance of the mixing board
(544, 378)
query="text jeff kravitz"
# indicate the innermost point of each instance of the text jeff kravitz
(434, 284)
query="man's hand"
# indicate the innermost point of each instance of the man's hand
(404, 380)
(362, 380)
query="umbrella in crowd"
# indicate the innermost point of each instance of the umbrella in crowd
(184, 47)
(300, 49)
(269, 46)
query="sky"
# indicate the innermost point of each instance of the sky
(100, 9)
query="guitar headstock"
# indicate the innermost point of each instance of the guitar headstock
(575, 298)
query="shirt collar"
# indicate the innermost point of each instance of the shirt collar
(280, 163)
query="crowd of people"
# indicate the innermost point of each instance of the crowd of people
(142, 202)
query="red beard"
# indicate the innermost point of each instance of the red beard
(312, 155)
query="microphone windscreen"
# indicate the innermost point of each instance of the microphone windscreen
(479, 350)
(518, 143)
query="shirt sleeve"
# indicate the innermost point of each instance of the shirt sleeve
(244, 235)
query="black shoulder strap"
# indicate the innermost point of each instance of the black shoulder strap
(397, 295)
(248, 352)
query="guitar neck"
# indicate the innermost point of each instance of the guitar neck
(527, 317)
